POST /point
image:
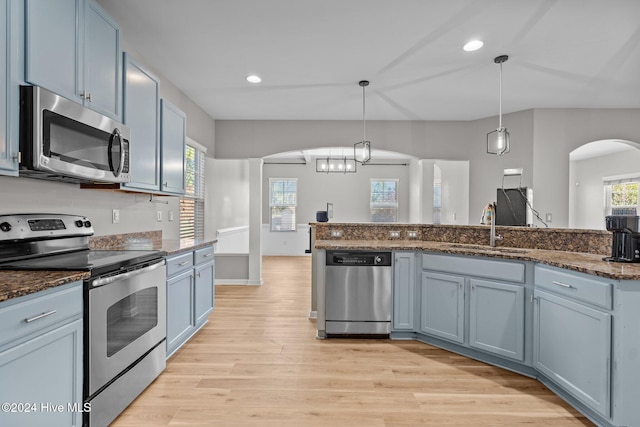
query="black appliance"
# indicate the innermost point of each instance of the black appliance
(124, 304)
(625, 243)
(513, 206)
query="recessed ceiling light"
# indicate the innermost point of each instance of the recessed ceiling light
(473, 45)
(254, 79)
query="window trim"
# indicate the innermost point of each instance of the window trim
(272, 205)
(384, 205)
(198, 198)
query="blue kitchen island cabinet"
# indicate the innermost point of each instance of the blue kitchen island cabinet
(41, 358)
(572, 335)
(496, 318)
(173, 139)
(190, 294)
(72, 48)
(142, 115)
(442, 308)
(10, 10)
(404, 272)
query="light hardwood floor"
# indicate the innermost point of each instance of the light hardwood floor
(257, 363)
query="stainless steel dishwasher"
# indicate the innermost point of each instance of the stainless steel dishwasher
(358, 293)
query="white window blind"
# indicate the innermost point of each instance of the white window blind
(192, 203)
(283, 195)
(384, 200)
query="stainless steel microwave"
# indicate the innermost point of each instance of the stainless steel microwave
(62, 140)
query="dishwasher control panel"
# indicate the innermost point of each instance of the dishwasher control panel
(359, 258)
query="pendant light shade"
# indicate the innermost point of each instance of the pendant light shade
(362, 149)
(498, 140)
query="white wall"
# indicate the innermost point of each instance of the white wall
(454, 140)
(455, 192)
(587, 198)
(227, 195)
(349, 193)
(557, 132)
(25, 195)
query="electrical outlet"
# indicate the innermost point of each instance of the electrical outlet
(115, 216)
(549, 217)
(170, 216)
(412, 234)
(159, 216)
(336, 233)
(394, 234)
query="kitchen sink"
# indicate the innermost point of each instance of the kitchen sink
(486, 248)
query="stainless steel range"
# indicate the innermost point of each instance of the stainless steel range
(124, 304)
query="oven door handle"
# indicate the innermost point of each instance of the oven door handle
(129, 274)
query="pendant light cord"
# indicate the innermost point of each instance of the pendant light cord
(364, 123)
(500, 107)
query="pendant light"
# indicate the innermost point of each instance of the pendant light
(498, 140)
(362, 149)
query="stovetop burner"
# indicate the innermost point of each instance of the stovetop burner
(98, 262)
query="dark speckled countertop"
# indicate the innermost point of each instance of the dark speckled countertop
(577, 261)
(17, 283)
(14, 283)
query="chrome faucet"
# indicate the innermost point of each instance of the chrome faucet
(493, 236)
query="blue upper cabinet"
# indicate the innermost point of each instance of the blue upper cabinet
(8, 88)
(102, 66)
(172, 135)
(73, 49)
(141, 114)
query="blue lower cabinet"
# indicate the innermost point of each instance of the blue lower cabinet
(205, 292)
(404, 272)
(572, 348)
(496, 318)
(180, 322)
(190, 294)
(442, 308)
(41, 359)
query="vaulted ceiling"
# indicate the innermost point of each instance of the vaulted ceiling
(312, 53)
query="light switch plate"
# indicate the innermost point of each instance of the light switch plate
(159, 216)
(549, 217)
(115, 216)
(170, 216)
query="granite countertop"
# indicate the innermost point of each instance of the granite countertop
(172, 247)
(577, 261)
(17, 283)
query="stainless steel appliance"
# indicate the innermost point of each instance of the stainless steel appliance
(357, 293)
(124, 303)
(65, 141)
(625, 242)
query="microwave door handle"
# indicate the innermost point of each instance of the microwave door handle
(128, 275)
(117, 135)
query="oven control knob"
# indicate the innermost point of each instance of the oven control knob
(87, 223)
(378, 260)
(79, 223)
(5, 226)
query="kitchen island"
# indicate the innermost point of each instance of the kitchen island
(545, 305)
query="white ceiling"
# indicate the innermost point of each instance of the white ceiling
(311, 55)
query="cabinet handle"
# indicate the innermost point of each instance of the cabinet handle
(208, 255)
(564, 285)
(198, 274)
(183, 263)
(40, 316)
(166, 184)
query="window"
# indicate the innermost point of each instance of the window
(384, 200)
(282, 203)
(621, 196)
(192, 203)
